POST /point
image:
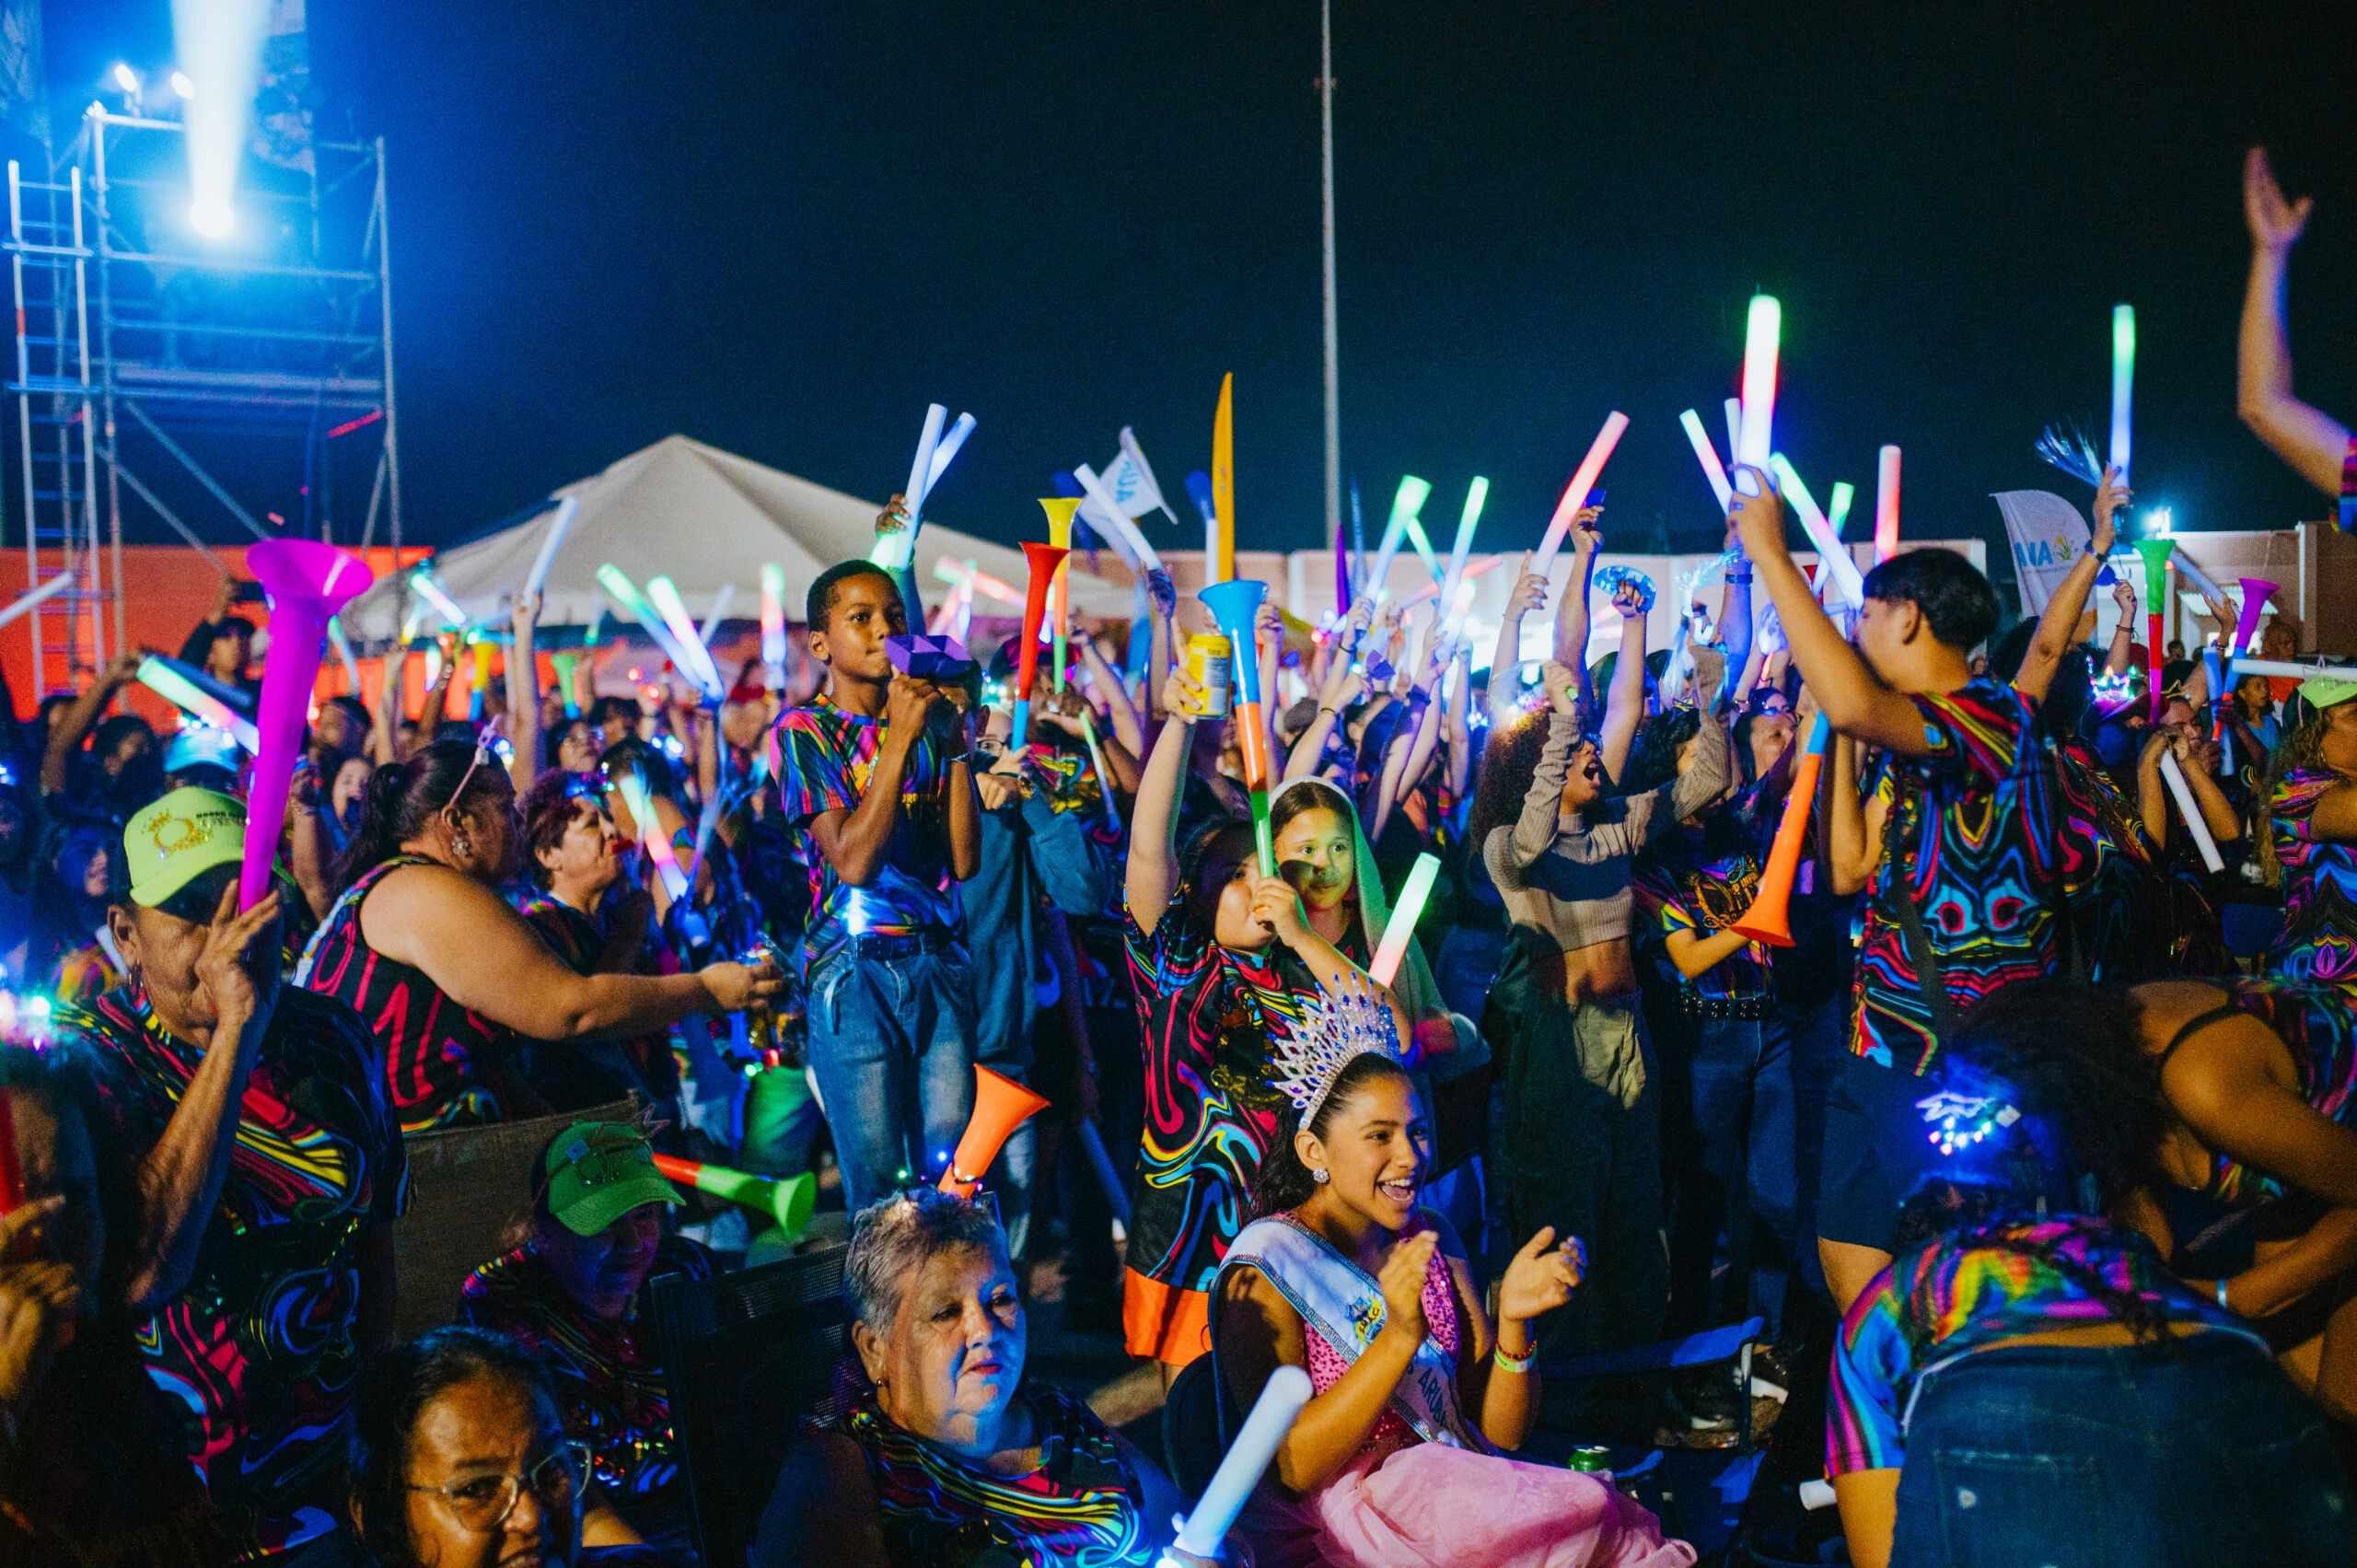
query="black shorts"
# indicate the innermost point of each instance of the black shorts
(1875, 1152)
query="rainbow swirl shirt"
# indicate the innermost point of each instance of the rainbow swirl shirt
(2319, 940)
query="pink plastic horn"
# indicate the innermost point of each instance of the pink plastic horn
(2257, 591)
(308, 583)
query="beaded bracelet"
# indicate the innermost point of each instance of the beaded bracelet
(1514, 1362)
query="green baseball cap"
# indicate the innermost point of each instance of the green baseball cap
(598, 1171)
(2326, 691)
(180, 837)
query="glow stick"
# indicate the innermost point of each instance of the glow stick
(2190, 569)
(1821, 533)
(659, 847)
(1405, 504)
(1224, 475)
(1476, 495)
(1432, 590)
(2291, 672)
(431, 591)
(895, 550)
(1424, 552)
(1886, 505)
(949, 570)
(2190, 811)
(720, 603)
(649, 620)
(1273, 1416)
(699, 668)
(1761, 332)
(343, 654)
(1122, 523)
(2155, 552)
(1576, 492)
(1837, 512)
(181, 692)
(2123, 382)
(773, 615)
(1096, 758)
(945, 452)
(551, 543)
(564, 666)
(1403, 924)
(1734, 427)
(1709, 458)
(48, 589)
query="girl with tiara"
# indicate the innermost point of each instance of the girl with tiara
(1401, 1454)
(1223, 960)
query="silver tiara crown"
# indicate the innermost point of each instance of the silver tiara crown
(1334, 1029)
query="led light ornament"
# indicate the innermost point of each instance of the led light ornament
(1769, 918)
(1575, 494)
(1414, 894)
(1234, 606)
(2155, 552)
(308, 583)
(1608, 581)
(1959, 1121)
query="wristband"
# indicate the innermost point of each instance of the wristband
(2221, 1296)
(1514, 1362)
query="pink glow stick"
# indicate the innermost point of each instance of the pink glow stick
(1576, 492)
(1886, 505)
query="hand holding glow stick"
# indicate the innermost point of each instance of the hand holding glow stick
(2190, 811)
(1821, 537)
(1273, 1416)
(1576, 492)
(160, 678)
(50, 589)
(1403, 924)
(699, 668)
(650, 834)
(1708, 455)
(551, 543)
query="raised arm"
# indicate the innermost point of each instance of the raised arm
(1571, 616)
(2310, 441)
(524, 695)
(1121, 715)
(2123, 630)
(1460, 727)
(1152, 877)
(1627, 703)
(1853, 840)
(1542, 803)
(2057, 628)
(1529, 595)
(1164, 597)
(1344, 685)
(1735, 632)
(1854, 702)
(81, 716)
(383, 730)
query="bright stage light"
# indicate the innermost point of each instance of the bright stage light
(217, 42)
(127, 78)
(182, 86)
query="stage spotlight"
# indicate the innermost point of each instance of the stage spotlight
(182, 86)
(219, 43)
(127, 78)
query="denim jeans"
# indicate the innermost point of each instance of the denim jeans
(1739, 1175)
(2199, 1453)
(891, 1044)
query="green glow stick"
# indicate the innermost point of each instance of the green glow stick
(181, 692)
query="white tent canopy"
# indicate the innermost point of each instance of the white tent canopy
(709, 519)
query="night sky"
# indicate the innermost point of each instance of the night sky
(783, 229)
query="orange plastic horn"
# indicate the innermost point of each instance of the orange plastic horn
(1768, 918)
(1000, 1105)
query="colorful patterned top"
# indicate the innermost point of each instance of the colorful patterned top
(1979, 827)
(2319, 1026)
(438, 1056)
(1963, 1292)
(609, 1380)
(824, 758)
(1701, 882)
(2110, 886)
(2319, 940)
(86, 974)
(260, 1349)
(1084, 1507)
(579, 941)
(1207, 1013)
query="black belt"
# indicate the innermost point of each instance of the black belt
(932, 939)
(1750, 1008)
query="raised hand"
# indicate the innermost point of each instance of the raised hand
(1529, 591)
(2110, 496)
(232, 954)
(1757, 514)
(2275, 223)
(1182, 695)
(1586, 537)
(1630, 600)
(1542, 1277)
(1402, 1282)
(2125, 598)
(1276, 909)
(1561, 684)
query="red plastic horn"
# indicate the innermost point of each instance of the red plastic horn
(1044, 560)
(1000, 1105)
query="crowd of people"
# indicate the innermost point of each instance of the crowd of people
(2035, 1150)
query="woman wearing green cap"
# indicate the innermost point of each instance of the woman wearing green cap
(574, 1293)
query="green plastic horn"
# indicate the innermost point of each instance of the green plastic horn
(787, 1199)
(2155, 552)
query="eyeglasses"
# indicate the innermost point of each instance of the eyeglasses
(482, 1503)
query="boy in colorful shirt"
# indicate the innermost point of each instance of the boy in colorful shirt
(873, 777)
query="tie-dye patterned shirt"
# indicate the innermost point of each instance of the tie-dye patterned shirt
(1207, 1013)
(259, 1352)
(2317, 1023)
(1964, 1293)
(1979, 831)
(824, 757)
(2319, 940)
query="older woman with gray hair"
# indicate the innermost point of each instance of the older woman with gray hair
(949, 1462)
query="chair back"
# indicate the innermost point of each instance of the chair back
(755, 1359)
(1192, 1441)
(468, 1187)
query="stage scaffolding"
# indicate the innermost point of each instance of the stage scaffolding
(128, 323)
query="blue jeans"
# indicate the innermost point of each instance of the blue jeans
(2142, 1457)
(891, 1042)
(1741, 1174)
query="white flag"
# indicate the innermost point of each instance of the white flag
(2047, 536)
(1144, 494)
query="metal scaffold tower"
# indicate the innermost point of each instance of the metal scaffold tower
(214, 357)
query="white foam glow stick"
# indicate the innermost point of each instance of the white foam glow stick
(773, 615)
(1886, 505)
(1413, 894)
(1708, 455)
(1273, 1416)
(1124, 525)
(2190, 811)
(2190, 569)
(57, 585)
(2123, 382)
(1762, 330)
(1576, 492)
(663, 595)
(1829, 548)
(921, 466)
(720, 603)
(444, 605)
(1405, 504)
(1735, 427)
(651, 834)
(2291, 672)
(551, 543)
(946, 450)
(1476, 495)
(649, 618)
(342, 645)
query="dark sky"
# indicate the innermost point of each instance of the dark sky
(785, 227)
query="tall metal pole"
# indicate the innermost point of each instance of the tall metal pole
(392, 458)
(1333, 351)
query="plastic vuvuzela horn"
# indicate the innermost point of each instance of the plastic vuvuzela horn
(2155, 552)
(1044, 558)
(1234, 606)
(1000, 1105)
(1768, 918)
(2257, 591)
(787, 1199)
(308, 583)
